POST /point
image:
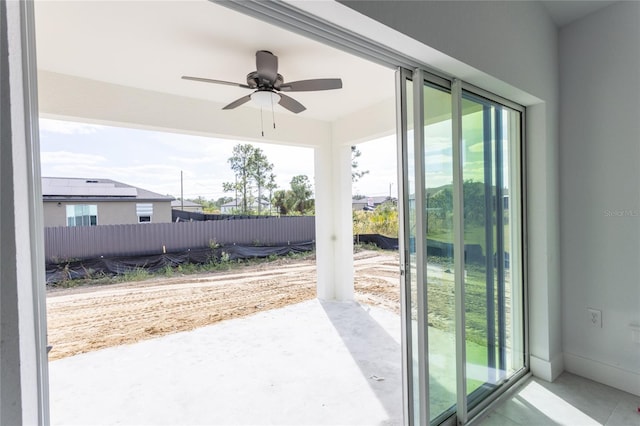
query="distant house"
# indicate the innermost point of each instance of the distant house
(187, 206)
(370, 203)
(234, 206)
(89, 202)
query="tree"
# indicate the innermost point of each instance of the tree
(440, 210)
(474, 203)
(240, 163)
(297, 199)
(382, 220)
(300, 193)
(217, 204)
(280, 201)
(271, 186)
(356, 175)
(261, 167)
(252, 169)
(440, 206)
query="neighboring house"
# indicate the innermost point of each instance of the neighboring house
(187, 206)
(235, 206)
(90, 202)
(370, 203)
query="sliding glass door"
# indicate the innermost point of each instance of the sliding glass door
(493, 300)
(463, 288)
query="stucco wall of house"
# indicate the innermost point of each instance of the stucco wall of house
(109, 212)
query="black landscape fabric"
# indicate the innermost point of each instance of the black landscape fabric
(385, 243)
(87, 268)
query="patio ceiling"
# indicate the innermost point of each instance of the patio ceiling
(149, 45)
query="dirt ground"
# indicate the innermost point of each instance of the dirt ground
(88, 318)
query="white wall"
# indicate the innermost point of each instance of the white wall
(599, 158)
(23, 363)
(509, 48)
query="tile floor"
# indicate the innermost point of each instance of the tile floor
(570, 400)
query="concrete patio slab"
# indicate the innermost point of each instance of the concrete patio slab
(313, 363)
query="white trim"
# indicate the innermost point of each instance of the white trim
(36, 207)
(402, 77)
(24, 361)
(477, 91)
(628, 381)
(293, 17)
(421, 242)
(458, 261)
(546, 370)
(504, 396)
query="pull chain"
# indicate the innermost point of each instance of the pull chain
(261, 123)
(273, 114)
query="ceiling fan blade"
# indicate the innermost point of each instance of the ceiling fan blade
(238, 102)
(290, 104)
(209, 80)
(267, 65)
(312, 85)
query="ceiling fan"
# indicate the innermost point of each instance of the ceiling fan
(268, 85)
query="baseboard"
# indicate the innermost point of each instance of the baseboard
(546, 370)
(618, 378)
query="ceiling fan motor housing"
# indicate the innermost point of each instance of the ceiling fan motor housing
(256, 82)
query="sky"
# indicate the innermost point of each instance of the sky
(153, 160)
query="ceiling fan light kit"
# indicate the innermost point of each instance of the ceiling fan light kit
(265, 98)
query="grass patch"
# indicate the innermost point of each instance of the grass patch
(472, 235)
(137, 274)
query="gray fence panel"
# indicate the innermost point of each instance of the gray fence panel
(83, 242)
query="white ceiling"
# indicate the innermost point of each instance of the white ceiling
(151, 44)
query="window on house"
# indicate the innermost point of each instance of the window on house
(144, 211)
(82, 215)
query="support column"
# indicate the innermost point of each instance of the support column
(23, 362)
(334, 223)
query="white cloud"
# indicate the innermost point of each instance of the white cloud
(476, 148)
(70, 158)
(438, 143)
(439, 161)
(67, 127)
(193, 160)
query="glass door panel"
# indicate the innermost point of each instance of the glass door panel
(493, 300)
(439, 242)
(407, 246)
(462, 289)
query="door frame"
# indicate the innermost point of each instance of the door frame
(420, 403)
(286, 16)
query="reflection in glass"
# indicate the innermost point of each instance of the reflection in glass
(492, 274)
(440, 275)
(493, 305)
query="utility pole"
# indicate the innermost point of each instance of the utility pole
(181, 192)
